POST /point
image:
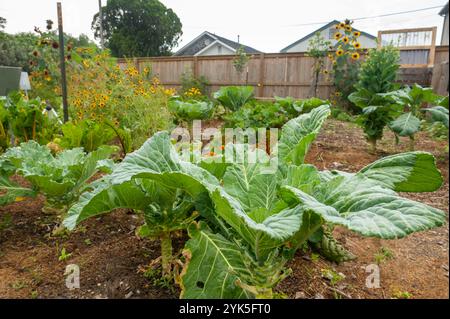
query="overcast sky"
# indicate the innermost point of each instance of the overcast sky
(266, 25)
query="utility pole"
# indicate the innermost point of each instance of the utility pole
(102, 41)
(62, 62)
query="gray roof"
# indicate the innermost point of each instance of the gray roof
(199, 43)
(326, 26)
(444, 10)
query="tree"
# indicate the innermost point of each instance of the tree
(2, 23)
(138, 28)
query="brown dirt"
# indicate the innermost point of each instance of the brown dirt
(110, 256)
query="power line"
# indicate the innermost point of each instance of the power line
(370, 17)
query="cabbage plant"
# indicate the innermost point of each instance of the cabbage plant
(254, 216)
(234, 97)
(190, 110)
(61, 178)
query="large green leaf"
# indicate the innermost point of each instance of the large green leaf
(212, 266)
(298, 134)
(263, 236)
(106, 197)
(438, 114)
(405, 172)
(363, 206)
(11, 192)
(158, 160)
(246, 179)
(405, 125)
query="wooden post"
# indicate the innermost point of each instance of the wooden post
(379, 40)
(195, 67)
(432, 48)
(100, 14)
(261, 75)
(62, 63)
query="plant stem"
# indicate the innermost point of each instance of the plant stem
(264, 293)
(411, 143)
(373, 146)
(166, 253)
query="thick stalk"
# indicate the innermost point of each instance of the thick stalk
(166, 254)
(264, 293)
(373, 146)
(411, 143)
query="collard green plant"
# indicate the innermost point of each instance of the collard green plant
(255, 217)
(377, 76)
(190, 110)
(411, 100)
(234, 97)
(61, 178)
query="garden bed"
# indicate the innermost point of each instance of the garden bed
(111, 257)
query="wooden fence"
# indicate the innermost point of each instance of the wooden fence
(273, 74)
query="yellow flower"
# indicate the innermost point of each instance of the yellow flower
(337, 26)
(337, 93)
(339, 52)
(345, 40)
(356, 34)
(19, 199)
(348, 28)
(342, 25)
(337, 35)
(355, 56)
(357, 45)
(325, 71)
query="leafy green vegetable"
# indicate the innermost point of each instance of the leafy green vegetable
(61, 178)
(191, 109)
(234, 97)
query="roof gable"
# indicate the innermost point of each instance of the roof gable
(200, 43)
(326, 26)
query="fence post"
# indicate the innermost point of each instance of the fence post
(262, 75)
(195, 67)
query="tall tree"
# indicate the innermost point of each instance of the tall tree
(138, 28)
(2, 23)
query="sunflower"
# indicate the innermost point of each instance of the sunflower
(348, 28)
(342, 25)
(325, 71)
(337, 26)
(330, 56)
(339, 52)
(357, 45)
(355, 56)
(345, 40)
(337, 35)
(356, 34)
(55, 45)
(337, 93)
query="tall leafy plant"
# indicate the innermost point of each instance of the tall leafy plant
(376, 77)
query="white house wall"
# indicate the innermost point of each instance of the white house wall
(302, 46)
(217, 49)
(444, 40)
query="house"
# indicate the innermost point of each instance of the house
(444, 13)
(208, 43)
(327, 32)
